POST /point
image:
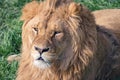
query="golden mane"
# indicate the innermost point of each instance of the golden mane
(82, 29)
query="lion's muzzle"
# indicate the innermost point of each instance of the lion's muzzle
(41, 50)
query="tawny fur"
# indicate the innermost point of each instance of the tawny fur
(86, 47)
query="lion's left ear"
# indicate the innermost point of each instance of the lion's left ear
(74, 9)
(29, 10)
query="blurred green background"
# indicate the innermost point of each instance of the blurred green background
(10, 30)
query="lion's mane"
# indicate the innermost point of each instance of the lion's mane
(82, 29)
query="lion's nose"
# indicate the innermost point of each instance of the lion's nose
(41, 50)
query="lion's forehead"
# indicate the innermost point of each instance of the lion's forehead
(52, 23)
(47, 21)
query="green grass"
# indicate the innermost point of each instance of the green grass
(100, 4)
(10, 30)
(10, 35)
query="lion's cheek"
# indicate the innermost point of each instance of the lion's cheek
(31, 38)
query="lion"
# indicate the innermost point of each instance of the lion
(63, 40)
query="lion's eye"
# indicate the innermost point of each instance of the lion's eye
(58, 35)
(35, 29)
(56, 32)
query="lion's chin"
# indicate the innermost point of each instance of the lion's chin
(41, 64)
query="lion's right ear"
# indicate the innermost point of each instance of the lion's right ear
(29, 10)
(74, 9)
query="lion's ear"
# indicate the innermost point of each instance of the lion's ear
(29, 10)
(74, 9)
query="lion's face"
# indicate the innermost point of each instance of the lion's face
(48, 40)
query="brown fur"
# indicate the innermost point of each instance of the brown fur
(109, 18)
(79, 50)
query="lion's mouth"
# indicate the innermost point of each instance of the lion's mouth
(42, 61)
(40, 58)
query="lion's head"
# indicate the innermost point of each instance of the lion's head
(54, 33)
